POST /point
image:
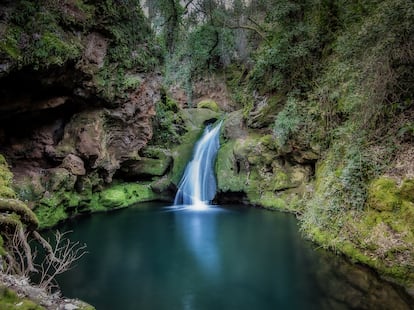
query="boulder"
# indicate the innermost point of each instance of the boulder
(208, 104)
(155, 164)
(74, 164)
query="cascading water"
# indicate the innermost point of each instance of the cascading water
(198, 185)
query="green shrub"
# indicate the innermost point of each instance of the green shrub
(168, 123)
(287, 122)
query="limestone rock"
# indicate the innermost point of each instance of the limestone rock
(58, 178)
(95, 50)
(74, 164)
(234, 127)
(156, 163)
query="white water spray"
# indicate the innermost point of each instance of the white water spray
(197, 187)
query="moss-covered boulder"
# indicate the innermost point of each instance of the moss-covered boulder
(74, 164)
(407, 190)
(154, 162)
(249, 164)
(208, 104)
(20, 209)
(123, 195)
(62, 204)
(234, 126)
(383, 194)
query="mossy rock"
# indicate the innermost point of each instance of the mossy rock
(196, 118)
(270, 200)
(19, 208)
(2, 250)
(233, 126)
(64, 204)
(182, 155)
(50, 213)
(125, 194)
(5, 179)
(59, 178)
(208, 104)
(383, 194)
(9, 300)
(231, 173)
(155, 163)
(407, 190)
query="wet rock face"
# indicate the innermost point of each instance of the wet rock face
(251, 163)
(59, 121)
(92, 139)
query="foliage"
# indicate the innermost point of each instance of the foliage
(113, 81)
(45, 33)
(168, 123)
(34, 36)
(287, 122)
(196, 39)
(290, 59)
(132, 44)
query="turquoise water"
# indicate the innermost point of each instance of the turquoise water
(158, 257)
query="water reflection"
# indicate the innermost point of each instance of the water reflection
(198, 229)
(224, 258)
(350, 286)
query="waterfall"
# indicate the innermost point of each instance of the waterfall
(198, 184)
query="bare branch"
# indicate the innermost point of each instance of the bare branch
(64, 254)
(45, 245)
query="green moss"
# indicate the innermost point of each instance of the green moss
(406, 191)
(154, 162)
(280, 181)
(9, 300)
(21, 209)
(113, 197)
(231, 175)
(383, 195)
(9, 43)
(168, 123)
(125, 194)
(2, 250)
(51, 49)
(355, 254)
(182, 155)
(63, 204)
(269, 142)
(5, 180)
(50, 213)
(208, 104)
(196, 118)
(86, 307)
(270, 200)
